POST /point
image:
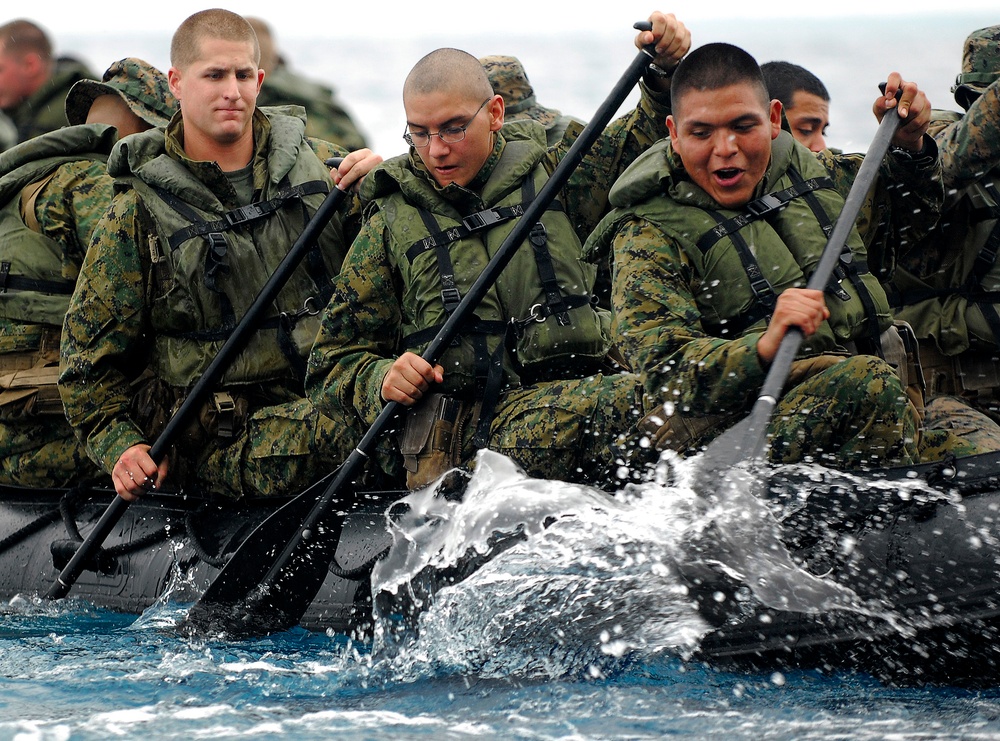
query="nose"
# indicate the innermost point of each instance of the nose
(231, 89)
(724, 143)
(817, 143)
(438, 147)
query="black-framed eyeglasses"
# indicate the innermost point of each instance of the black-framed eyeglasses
(449, 134)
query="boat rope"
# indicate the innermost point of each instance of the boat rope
(358, 571)
(218, 561)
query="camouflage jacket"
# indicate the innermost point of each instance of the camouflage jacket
(75, 192)
(359, 335)
(108, 325)
(656, 316)
(45, 109)
(968, 143)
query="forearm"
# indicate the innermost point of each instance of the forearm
(356, 342)
(968, 146)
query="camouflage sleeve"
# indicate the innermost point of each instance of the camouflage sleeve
(69, 207)
(105, 336)
(622, 141)
(351, 213)
(901, 209)
(659, 327)
(969, 146)
(356, 343)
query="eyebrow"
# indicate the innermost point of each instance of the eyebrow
(442, 125)
(744, 118)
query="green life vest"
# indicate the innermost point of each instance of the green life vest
(33, 287)
(541, 303)
(948, 287)
(743, 259)
(209, 262)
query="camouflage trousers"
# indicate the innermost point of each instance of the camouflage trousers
(953, 426)
(282, 450)
(574, 430)
(853, 415)
(577, 430)
(42, 452)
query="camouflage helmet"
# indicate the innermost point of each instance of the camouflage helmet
(980, 65)
(509, 80)
(141, 85)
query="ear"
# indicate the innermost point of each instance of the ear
(260, 79)
(675, 142)
(174, 81)
(495, 108)
(774, 113)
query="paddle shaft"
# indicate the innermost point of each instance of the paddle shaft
(232, 347)
(234, 585)
(755, 437)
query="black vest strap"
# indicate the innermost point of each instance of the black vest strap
(848, 269)
(238, 216)
(13, 282)
(760, 208)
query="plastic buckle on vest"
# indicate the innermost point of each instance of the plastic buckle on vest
(480, 220)
(225, 408)
(451, 298)
(244, 214)
(764, 205)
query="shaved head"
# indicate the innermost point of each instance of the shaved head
(450, 71)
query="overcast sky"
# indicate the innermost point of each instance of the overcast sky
(393, 18)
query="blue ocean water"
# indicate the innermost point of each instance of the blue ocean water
(506, 655)
(579, 631)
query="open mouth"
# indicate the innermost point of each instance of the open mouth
(727, 175)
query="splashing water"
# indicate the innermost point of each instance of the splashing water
(543, 578)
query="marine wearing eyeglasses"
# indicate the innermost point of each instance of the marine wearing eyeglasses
(537, 395)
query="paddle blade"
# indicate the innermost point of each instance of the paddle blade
(251, 595)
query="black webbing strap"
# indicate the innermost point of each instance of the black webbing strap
(238, 216)
(450, 295)
(848, 269)
(760, 208)
(762, 291)
(14, 282)
(538, 238)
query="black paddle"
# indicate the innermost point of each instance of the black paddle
(232, 347)
(746, 440)
(274, 575)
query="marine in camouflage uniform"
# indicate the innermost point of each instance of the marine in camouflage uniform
(948, 286)
(508, 78)
(39, 106)
(326, 116)
(557, 420)
(178, 257)
(692, 321)
(55, 188)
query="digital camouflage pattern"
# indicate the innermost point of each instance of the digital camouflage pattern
(144, 88)
(697, 374)
(42, 450)
(937, 282)
(45, 110)
(284, 444)
(358, 338)
(510, 81)
(980, 65)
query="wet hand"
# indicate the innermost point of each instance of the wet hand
(671, 38)
(913, 107)
(796, 307)
(354, 167)
(408, 379)
(135, 473)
